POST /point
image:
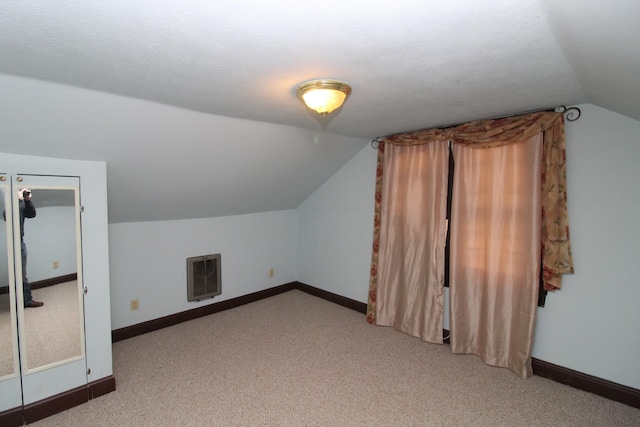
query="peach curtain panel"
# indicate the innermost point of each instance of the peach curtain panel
(412, 240)
(495, 252)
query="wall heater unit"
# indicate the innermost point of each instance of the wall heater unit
(203, 277)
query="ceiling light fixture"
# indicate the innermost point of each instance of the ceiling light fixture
(323, 96)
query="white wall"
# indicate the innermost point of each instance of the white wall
(335, 230)
(148, 260)
(591, 325)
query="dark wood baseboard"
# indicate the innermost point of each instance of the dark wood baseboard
(54, 281)
(613, 391)
(618, 392)
(360, 307)
(58, 403)
(11, 418)
(174, 319)
(601, 387)
(183, 316)
(55, 404)
(101, 387)
(46, 282)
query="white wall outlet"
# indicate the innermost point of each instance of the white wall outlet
(56, 264)
(134, 304)
(271, 272)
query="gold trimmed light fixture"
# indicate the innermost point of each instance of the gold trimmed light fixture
(323, 96)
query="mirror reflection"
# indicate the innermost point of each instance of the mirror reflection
(8, 324)
(52, 317)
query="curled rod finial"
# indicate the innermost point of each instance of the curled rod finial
(572, 113)
(375, 142)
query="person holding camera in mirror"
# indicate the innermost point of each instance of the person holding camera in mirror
(27, 210)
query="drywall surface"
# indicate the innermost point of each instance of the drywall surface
(149, 260)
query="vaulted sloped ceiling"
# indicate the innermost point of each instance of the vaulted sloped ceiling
(601, 41)
(239, 140)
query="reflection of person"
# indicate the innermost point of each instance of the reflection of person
(27, 210)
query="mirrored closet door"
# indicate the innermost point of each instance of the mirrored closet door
(10, 385)
(44, 260)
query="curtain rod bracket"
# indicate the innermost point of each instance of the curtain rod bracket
(571, 113)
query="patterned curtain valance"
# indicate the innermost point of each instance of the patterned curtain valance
(482, 133)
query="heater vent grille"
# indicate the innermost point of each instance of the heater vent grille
(203, 277)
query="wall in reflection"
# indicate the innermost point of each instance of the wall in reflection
(49, 236)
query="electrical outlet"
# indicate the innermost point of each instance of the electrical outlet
(56, 264)
(271, 272)
(134, 304)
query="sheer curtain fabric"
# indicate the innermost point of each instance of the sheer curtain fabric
(495, 252)
(412, 240)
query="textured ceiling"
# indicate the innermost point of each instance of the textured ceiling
(412, 64)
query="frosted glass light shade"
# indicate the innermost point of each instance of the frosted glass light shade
(323, 96)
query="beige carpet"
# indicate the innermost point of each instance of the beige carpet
(52, 331)
(297, 360)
